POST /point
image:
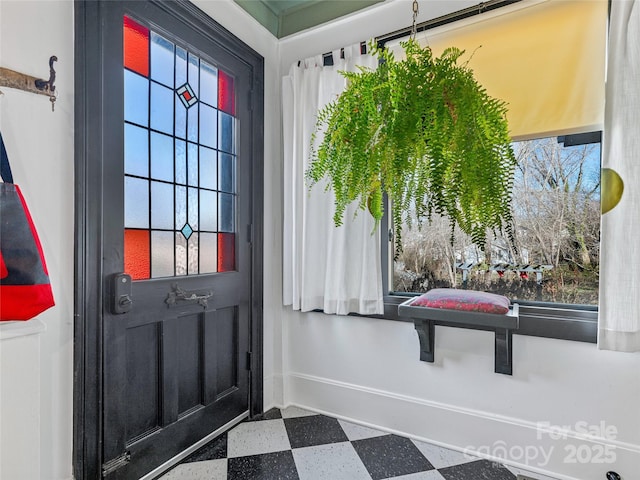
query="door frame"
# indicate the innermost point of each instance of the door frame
(89, 287)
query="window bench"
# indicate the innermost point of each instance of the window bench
(426, 318)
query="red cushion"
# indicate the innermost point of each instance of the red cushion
(466, 300)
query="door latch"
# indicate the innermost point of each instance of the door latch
(121, 293)
(181, 295)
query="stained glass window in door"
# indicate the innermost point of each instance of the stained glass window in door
(180, 159)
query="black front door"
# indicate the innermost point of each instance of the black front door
(177, 199)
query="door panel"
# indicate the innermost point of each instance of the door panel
(178, 189)
(143, 378)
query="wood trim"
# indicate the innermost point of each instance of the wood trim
(256, 405)
(87, 398)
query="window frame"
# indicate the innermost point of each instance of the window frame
(539, 319)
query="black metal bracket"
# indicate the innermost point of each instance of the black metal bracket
(425, 320)
(426, 334)
(503, 356)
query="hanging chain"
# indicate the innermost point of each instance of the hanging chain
(415, 17)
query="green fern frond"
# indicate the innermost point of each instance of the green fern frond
(426, 133)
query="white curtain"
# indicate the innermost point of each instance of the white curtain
(324, 267)
(619, 322)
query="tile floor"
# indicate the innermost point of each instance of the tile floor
(301, 445)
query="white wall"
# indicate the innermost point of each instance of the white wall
(369, 370)
(40, 147)
(36, 386)
(236, 20)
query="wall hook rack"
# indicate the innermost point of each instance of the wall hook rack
(12, 79)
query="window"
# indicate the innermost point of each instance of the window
(556, 210)
(546, 60)
(180, 159)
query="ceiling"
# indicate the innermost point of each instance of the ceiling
(285, 17)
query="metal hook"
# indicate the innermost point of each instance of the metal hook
(415, 9)
(12, 79)
(48, 85)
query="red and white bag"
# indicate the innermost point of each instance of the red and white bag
(25, 290)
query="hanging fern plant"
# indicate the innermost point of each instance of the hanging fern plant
(426, 133)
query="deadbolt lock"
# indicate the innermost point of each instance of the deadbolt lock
(121, 294)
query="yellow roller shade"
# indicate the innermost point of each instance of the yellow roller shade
(545, 59)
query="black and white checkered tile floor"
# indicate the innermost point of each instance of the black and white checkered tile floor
(301, 445)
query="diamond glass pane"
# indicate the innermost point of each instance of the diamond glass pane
(186, 95)
(137, 254)
(179, 145)
(136, 47)
(186, 231)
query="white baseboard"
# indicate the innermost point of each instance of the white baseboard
(553, 451)
(278, 390)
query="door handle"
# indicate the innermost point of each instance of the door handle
(180, 295)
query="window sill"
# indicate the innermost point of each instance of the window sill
(564, 322)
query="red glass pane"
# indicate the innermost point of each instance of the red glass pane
(136, 47)
(226, 94)
(226, 252)
(136, 254)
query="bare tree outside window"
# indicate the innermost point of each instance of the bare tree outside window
(556, 210)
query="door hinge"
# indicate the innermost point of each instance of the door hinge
(116, 463)
(250, 233)
(250, 100)
(249, 358)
